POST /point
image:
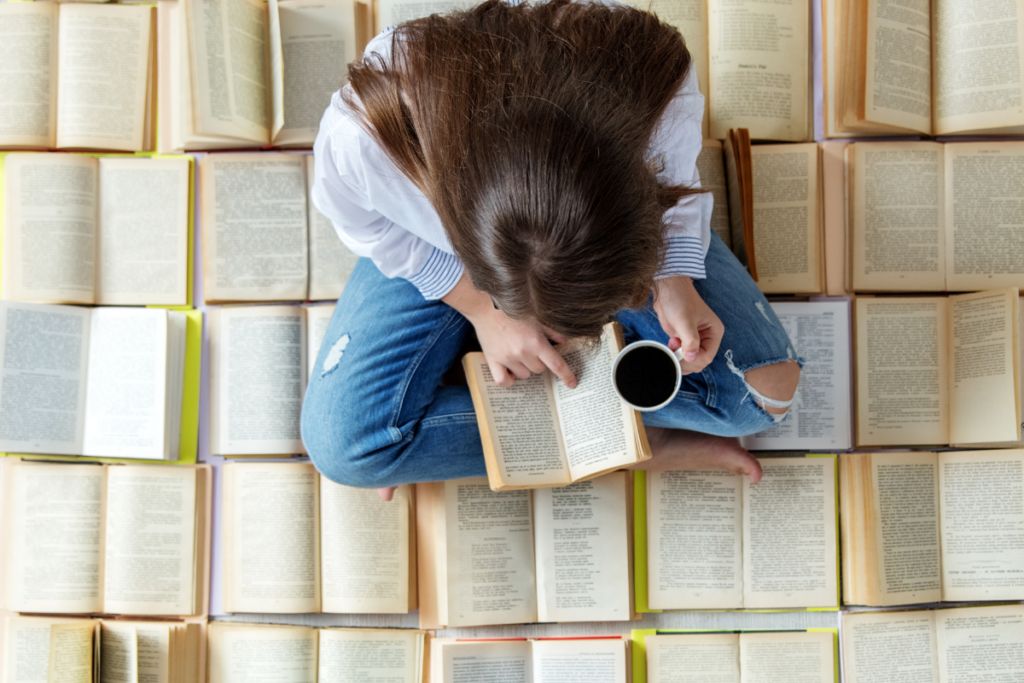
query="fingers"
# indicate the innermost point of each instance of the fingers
(386, 493)
(502, 377)
(554, 361)
(520, 370)
(689, 342)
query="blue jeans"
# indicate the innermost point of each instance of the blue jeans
(375, 414)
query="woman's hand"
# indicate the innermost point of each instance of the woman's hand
(685, 316)
(513, 348)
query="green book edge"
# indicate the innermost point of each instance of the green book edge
(640, 547)
(639, 645)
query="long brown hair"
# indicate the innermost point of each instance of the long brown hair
(526, 127)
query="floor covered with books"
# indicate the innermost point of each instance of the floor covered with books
(167, 291)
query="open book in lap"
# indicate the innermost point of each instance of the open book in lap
(263, 240)
(715, 541)
(939, 646)
(296, 542)
(117, 539)
(88, 230)
(545, 563)
(929, 527)
(540, 433)
(937, 370)
(77, 76)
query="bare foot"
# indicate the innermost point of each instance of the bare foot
(679, 449)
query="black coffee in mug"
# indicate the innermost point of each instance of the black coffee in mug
(646, 376)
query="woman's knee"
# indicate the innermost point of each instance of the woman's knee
(774, 385)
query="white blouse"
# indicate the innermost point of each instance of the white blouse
(380, 214)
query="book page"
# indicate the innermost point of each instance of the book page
(759, 73)
(902, 371)
(980, 643)
(984, 215)
(254, 226)
(49, 249)
(906, 512)
(28, 74)
(982, 524)
(248, 653)
(711, 167)
(494, 662)
(787, 218)
(898, 69)
(519, 426)
(596, 425)
(789, 535)
(126, 394)
(330, 262)
(143, 232)
(318, 319)
(583, 550)
(228, 54)
(983, 346)
(42, 378)
(150, 540)
(820, 417)
(793, 657)
(55, 556)
(691, 18)
(371, 655)
(888, 646)
(26, 648)
(977, 65)
(154, 643)
(693, 658)
(694, 551)
(271, 533)
(896, 204)
(394, 12)
(482, 523)
(318, 40)
(119, 653)
(104, 53)
(257, 380)
(364, 549)
(71, 653)
(586, 659)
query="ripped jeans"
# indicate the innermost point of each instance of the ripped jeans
(375, 414)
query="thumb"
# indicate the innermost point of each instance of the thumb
(386, 493)
(689, 339)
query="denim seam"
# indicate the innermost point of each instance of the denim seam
(403, 386)
(446, 419)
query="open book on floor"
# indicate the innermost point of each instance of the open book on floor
(541, 660)
(731, 657)
(78, 75)
(98, 382)
(944, 646)
(246, 653)
(296, 542)
(931, 217)
(541, 433)
(110, 230)
(753, 64)
(260, 360)
(937, 370)
(263, 240)
(930, 527)
(555, 554)
(219, 90)
(768, 209)
(711, 540)
(101, 650)
(111, 539)
(938, 68)
(821, 417)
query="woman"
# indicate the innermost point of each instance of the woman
(527, 172)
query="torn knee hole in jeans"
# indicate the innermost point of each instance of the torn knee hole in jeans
(334, 355)
(764, 401)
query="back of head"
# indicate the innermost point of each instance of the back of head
(527, 127)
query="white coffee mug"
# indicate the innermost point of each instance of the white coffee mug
(676, 356)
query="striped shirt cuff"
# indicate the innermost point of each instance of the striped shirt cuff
(684, 256)
(438, 275)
